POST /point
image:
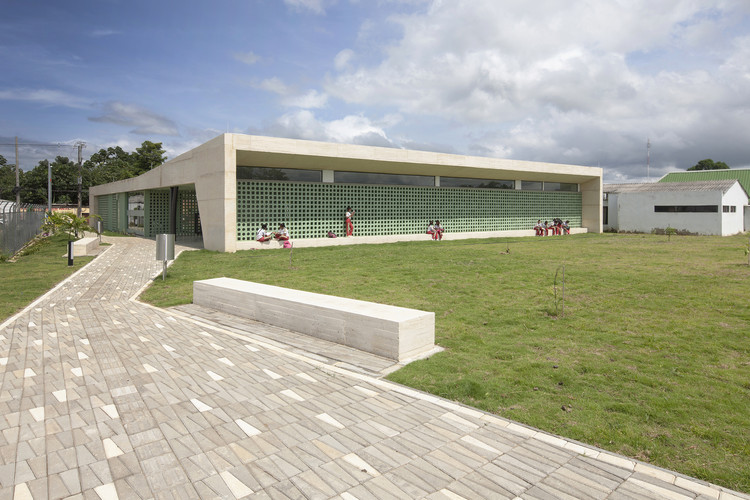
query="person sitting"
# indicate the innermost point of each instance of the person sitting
(263, 234)
(282, 234)
(546, 227)
(438, 230)
(566, 227)
(539, 229)
(431, 230)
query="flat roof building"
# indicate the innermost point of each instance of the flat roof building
(224, 189)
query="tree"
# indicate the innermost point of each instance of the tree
(64, 182)
(114, 163)
(7, 180)
(148, 156)
(108, 165)
(709, 164)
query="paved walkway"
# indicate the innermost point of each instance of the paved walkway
(105, 397)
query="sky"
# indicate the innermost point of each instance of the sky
(582, 82)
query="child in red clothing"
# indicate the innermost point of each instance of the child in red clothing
(348, 221)
(438, 230)
(282, 234)
(263, 234)
(431, 229)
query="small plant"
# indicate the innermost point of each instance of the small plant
(561, 302)
(66, 223)
(669, 231)
(746, 248)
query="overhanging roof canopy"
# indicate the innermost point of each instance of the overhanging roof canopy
(256, 151)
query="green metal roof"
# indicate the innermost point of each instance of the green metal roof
(740, 174)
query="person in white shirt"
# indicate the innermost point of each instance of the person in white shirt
(263, 234)
(438, 230)
(282, 234)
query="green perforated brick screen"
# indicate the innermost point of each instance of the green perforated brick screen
(108, 211)
(157, 212)
(188, 221)
(310, 210)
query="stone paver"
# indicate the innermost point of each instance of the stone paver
(103, 397)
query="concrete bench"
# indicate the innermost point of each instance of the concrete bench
(392, 332)
(85, 246)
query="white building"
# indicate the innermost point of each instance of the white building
(223, 190)
(702, 207)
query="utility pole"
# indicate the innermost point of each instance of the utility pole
(49, 187)
(648, 159)
(18, 186)
(49, 171)
(80, 145)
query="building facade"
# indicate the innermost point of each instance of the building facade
(224, 189)
(714, 207)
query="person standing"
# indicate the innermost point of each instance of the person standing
(348, 221)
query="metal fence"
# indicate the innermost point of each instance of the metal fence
(18, 225)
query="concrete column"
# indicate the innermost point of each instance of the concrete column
(328, 176)
(591, 205)
(214, 168)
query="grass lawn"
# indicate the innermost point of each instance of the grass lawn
(37, 270)
(651, 359)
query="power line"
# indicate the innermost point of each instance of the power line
(57, 145)
(79, 145)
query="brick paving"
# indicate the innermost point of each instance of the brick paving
(104, 397)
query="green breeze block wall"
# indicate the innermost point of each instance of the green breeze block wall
(157, 212)
(188, 220)
(310, 210)
(108, 211)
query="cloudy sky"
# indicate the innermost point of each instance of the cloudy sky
(583, 82)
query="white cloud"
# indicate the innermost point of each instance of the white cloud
(314, 6)
(736, 67)
(308, 100)
(248, 58)
(44, 96)
(290, 97)
(274, 85)
(146, 122)
(351, 129)
(586, 83)
(342, 59)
